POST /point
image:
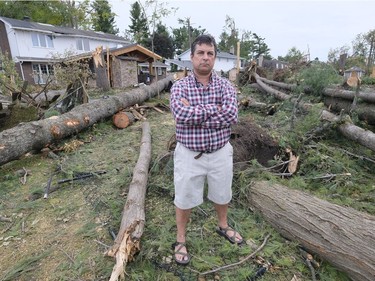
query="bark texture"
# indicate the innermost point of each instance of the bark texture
(25, 137)
(342, 236)
(351, 131)
(349, 95)
(127, 242)
(365, 111)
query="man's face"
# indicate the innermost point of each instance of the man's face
(203, 59)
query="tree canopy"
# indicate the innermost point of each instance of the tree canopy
(138, 27)
(103, 19)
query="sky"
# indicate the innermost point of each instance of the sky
(312, 26)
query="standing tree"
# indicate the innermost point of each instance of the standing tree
(252, 45)
(183, 36)
(260, 47)
(370, 37)
(163, 43)
(229, 36)
(138, 28)
(159, 11)
(293, 56)
(103, 18)
(63, 13)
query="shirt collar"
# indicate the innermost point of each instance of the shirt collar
(212, 77)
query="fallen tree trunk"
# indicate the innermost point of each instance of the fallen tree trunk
(278, 94)
(342, 236)
(127, 242)
(25, 137)
(349, 130)
(332, 92)
(349, 95)
(364, 111)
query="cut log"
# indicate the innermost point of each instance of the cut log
(127, 242)
(342, 236)
(17, 141)
(123, 119)
(365, 111)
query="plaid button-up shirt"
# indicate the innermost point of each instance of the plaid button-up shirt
(202, 126)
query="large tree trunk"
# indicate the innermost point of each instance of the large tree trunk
(342, 236)
(349, 95)
(25, 137)
(278, 94)
(365, 111)
(332, 92)
(127, 242)
(349, 130)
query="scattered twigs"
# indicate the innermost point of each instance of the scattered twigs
(23, 178)
(101, 243)
(5, 219)
(48, 186)
(240, 262)
(310, 262)
(331, 176)
(80, 176)
(357, 156)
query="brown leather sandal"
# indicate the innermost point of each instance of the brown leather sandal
(224, 232)
(185, 256)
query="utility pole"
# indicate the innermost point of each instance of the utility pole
(189, 30)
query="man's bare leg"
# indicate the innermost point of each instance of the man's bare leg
(182, 219)
(222, 215)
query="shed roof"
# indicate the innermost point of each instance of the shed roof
(354, 68)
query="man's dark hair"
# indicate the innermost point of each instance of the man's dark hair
(204, 39)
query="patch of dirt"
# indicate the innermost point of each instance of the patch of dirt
(250, 142)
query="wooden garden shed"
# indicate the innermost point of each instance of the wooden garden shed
(120, 67)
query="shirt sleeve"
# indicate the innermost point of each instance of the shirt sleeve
(189, 115)
(228, 114)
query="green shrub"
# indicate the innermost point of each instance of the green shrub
(318, 76)
(367, 80)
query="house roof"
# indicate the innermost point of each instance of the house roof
(131, 51)
(137, 51)
(181, 63)
(220, 54)
(355, 68)
(56, 30)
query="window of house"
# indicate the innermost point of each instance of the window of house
(41, 72)
(83, 44)
(42, 40)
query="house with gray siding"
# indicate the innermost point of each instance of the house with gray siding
(34, 46)
(224, 61)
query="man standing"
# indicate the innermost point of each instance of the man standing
(204, 107)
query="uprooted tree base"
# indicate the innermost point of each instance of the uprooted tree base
(250, 141)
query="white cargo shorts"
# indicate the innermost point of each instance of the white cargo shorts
(190, 175)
